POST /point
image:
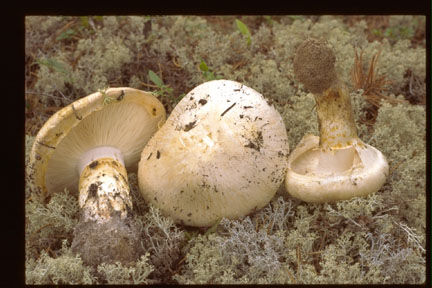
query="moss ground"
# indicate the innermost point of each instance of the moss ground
(377, 239)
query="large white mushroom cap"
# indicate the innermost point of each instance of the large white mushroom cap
(118, 120)
(221, 153)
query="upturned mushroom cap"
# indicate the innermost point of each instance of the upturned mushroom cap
(341, 174)
(123, 118)
(221, 153)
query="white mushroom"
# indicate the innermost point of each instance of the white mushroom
(337, 165)
(88, 145)
(221, 153)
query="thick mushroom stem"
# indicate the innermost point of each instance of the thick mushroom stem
(103, 185)
(338, 132)
(104, 190)
(336, 120)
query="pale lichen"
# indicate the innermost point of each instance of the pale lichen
(118, 274)
(64, 269)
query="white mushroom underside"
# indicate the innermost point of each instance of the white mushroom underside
(317, 176)
(219, 155)
(97, 153)
(124, 126)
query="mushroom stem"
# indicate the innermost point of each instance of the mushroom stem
(103, 186)
(336, 120)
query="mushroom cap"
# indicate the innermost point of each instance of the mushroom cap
(316, 176)
(122, 118)
(221, 153)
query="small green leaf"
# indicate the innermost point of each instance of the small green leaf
(244, 30)
(155, 78)
(66, 34)
(106, 100)
(181, 96)
(213, 228)
(203, 66)
(53, 64)
(206, 73)
(242, 27)
(376, 32)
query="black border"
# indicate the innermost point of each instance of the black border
(13, 213)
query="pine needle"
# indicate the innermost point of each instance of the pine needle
(373, 85)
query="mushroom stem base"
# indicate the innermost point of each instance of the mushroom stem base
(115, 240)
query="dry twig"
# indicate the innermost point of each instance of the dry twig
(299, 260)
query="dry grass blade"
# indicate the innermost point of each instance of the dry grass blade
(357, 70)
(290, 275)
(299, 261)
(240, 64)
(373, 86)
